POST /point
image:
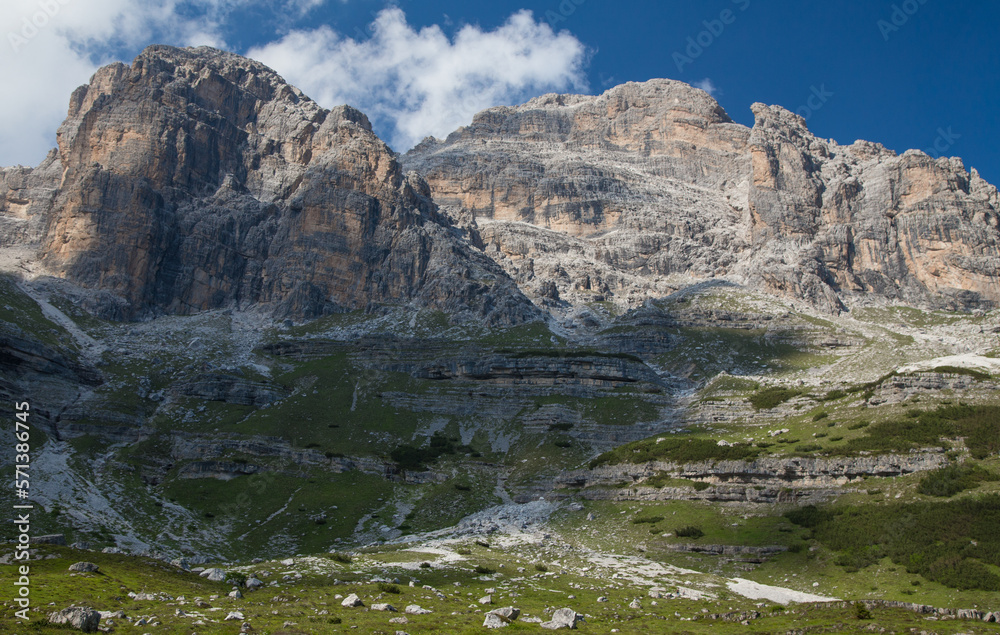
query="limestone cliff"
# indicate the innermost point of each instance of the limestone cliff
(649, 187)
(196, 179)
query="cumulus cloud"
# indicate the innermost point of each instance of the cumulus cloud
(417, 83)
(49, 47)
(708, 86)
(411, 83)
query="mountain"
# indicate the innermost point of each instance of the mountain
(197, 179)
(650, 351)
(649, 187)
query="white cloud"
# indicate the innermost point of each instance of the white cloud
(411, 83)
(419, 83)
(49, 47)
(708, 86)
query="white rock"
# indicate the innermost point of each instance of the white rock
(352, 601)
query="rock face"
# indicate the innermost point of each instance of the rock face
(195, 179)
(651, 187)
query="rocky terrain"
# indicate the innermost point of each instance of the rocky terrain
(613, 362)
(651, 187)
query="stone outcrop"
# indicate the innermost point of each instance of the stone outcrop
(195, 179)
(80, 618)
(230, 389)
(650, 187)
(775, 471)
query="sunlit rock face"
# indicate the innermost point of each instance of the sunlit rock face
(196, 179)
(649, 187)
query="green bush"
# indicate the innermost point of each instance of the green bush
(541, 568)
(481, 570)
(679, 449)
(772, 397)
(952, 479)
(647, 519)
(822, 414)
(861, 611)
(689, 532)
(385, 587)
(412, 458)
(951, 542)
(979, 425)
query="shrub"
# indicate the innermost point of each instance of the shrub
(822, 414)
(425, 565)
(385, 587)
(236, 578)
(333, 620)
(409, 457)
(701, 485)
(689, 532)
(772, 397)
(950, 542)
(858, 425)
(861, 611)
(342, 558)
(541, 568)
(952, 479)
(648, 519)
(481, 570)
(680, 449)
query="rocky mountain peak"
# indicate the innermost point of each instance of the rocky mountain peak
(197, 179)
(650, 187)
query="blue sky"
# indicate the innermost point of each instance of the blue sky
(907, 74)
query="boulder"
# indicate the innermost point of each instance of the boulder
(493, 620)
(382, 606)
(82, 618)
(563, 618)
(352, 601)
(415, 609)
(507, 612)
(84, 567)
(214, 574)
